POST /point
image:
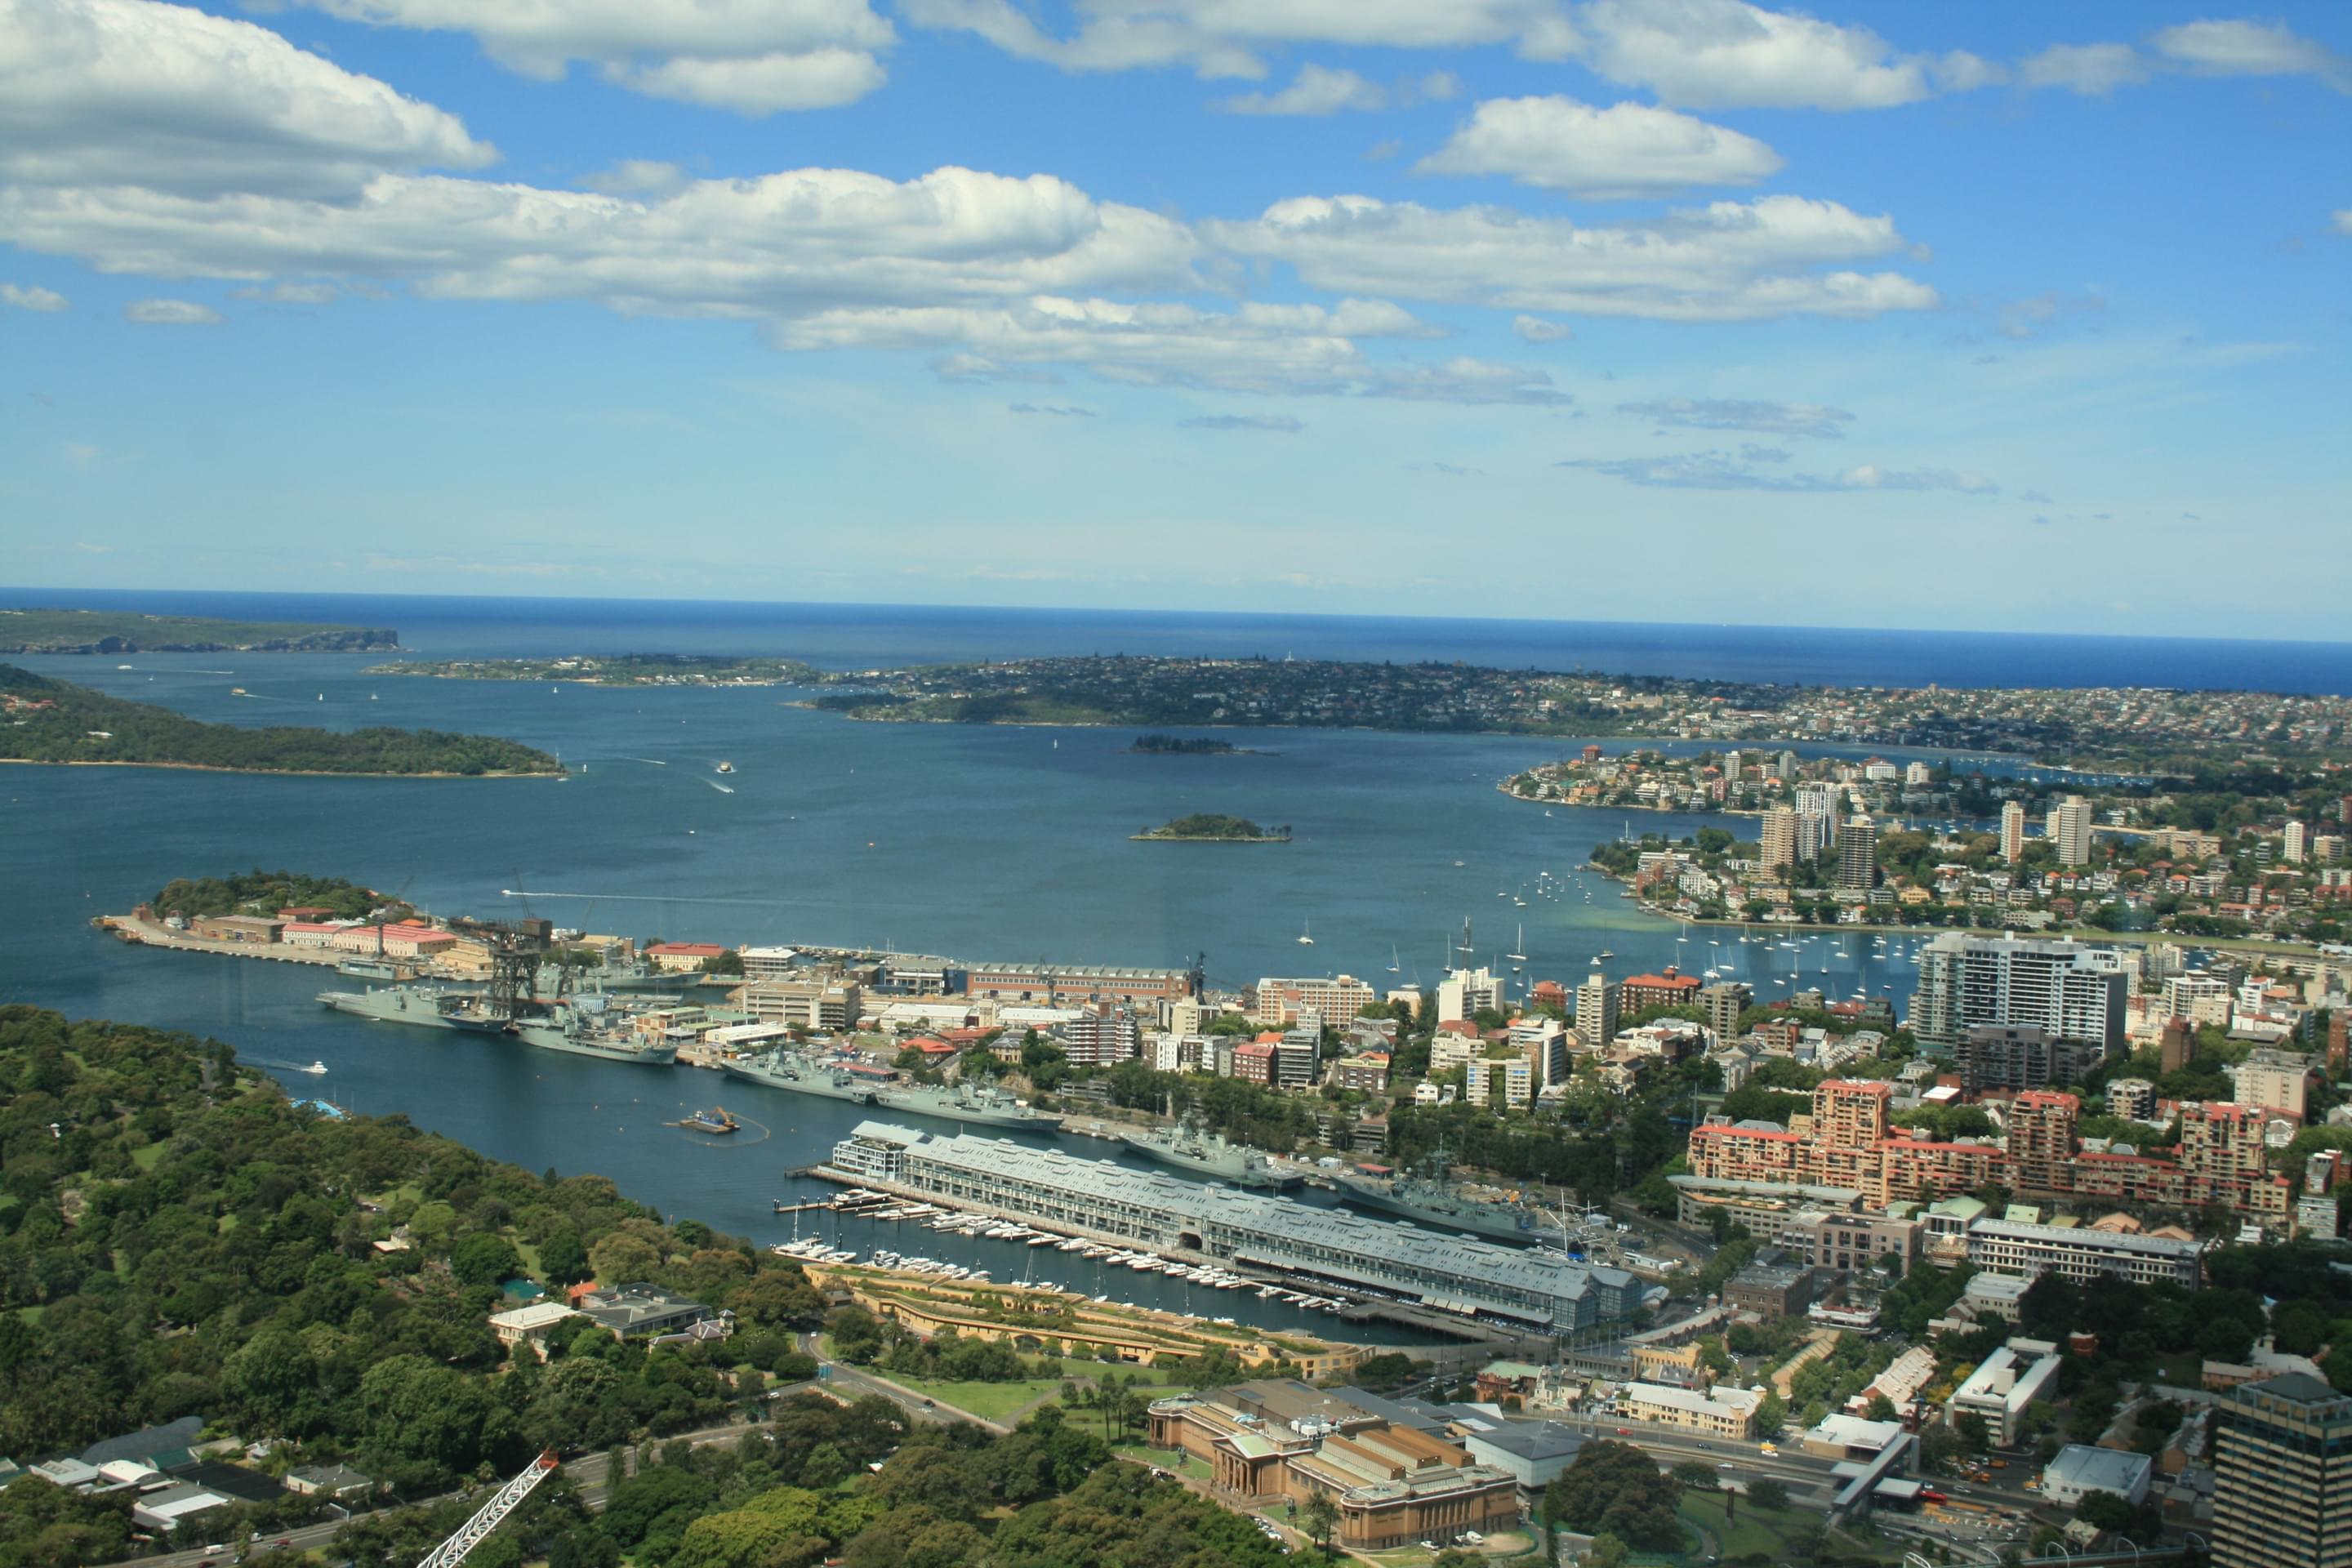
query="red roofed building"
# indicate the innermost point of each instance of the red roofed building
(306, 912)
(683, 956)
(934, 1049)
(1672, 989)
(1253, 1063)
(1851, 1145)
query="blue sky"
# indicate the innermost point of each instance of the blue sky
(2013, 317)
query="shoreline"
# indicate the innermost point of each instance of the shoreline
(267, 773)
(1200, 839)
(2090, 935)
(2016, 759)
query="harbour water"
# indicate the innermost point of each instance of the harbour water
(980, 843)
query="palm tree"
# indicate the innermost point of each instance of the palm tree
(1319, 1516)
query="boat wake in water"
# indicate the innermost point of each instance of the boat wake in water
(723, 789)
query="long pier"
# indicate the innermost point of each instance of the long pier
(139, 934)
(1360, 1308)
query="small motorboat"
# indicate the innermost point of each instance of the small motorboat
(715, 1119)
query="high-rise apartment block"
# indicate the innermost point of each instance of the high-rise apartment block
(2282, 1475)
(1779, 846)
(2012, 831)
(1597, 1002)
(2069, 830)
(1723, 1001)
(1993, 1057)
(2065, 989)
(1857, 849)
(2294, 844)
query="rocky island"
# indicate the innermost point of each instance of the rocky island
(1159, 745)
(126, 631)
(1209, 827)
(45, 720)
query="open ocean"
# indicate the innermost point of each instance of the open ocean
(851, 637)
(985, 844)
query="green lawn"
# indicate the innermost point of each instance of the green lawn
(146, 1154)
(1754, 1529)
(993, 1401)
(1167, 1459)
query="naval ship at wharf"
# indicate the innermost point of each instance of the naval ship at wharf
(1462, 1280)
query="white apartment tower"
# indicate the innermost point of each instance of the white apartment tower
(2069, 830)
(2065, 989)
(1597, 1002)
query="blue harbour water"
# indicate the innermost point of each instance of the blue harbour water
(985, 844)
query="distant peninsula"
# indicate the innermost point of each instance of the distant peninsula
(1208, 827)
(45, 720)
(616, 669)
(126, 631)
(2145, 730)
(1159, 745)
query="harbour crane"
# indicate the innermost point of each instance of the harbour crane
(477, 1530)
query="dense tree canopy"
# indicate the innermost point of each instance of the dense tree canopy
(77, 724)
(188, 1242)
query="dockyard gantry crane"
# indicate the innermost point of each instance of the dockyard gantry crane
(477, 1530)
(516, 952)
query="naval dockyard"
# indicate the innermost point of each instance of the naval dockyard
(836, 1024)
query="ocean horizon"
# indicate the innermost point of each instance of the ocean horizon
(859, 636)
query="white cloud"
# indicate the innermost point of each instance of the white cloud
(170, 313)
(1721, 471)
(821, 79)
(1726, 54)
(1725, 261)
(25, 297)
(123, 91)
(2342, 220)
(1064, 411)
(1628, 150)
(2092, 70)
(2245, 47)
(778, 245)
(1536, 330)
(1227, 37)
(1288, 349)
(81, 454)
(1272, 424)
(1743, 414)
(1319, 90)
(755, 56)
(1438, 86)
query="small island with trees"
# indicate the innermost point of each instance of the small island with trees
(265, 892)
(45, 720)
(127, 631)
(1157, 744)
(1209, 827)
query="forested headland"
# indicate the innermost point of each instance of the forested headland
(177, 1238)
(45, 720)
(127, 631)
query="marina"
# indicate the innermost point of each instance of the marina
(1332, 1254)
